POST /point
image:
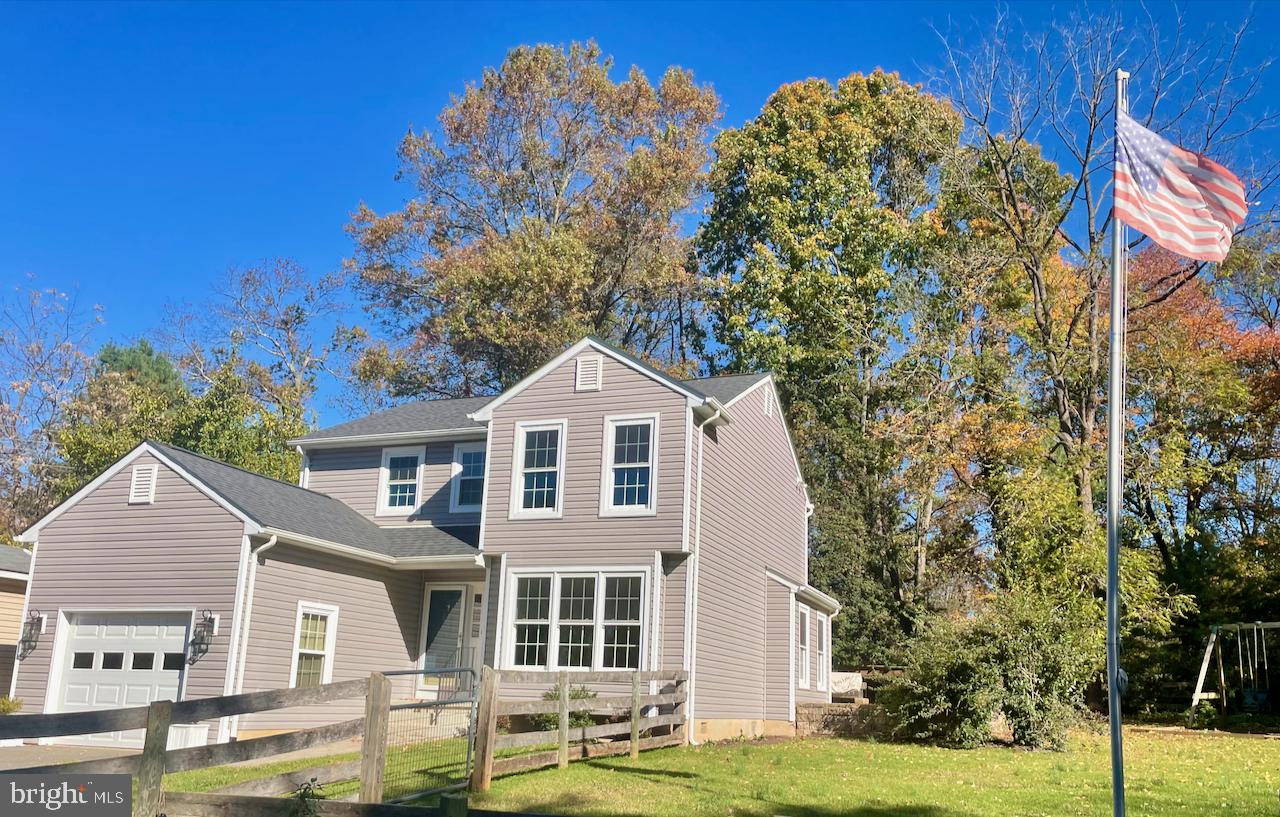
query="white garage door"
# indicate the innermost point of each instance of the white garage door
(115, 660)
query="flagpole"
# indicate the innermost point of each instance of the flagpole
(1115, 480)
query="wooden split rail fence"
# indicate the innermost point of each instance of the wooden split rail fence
(672, 695)
(156, 759)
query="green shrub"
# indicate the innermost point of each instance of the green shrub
(9, 705)
(1024, 657)
(551, 720)
(1204, 716)
(949, 693)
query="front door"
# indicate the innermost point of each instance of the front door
(451, 630)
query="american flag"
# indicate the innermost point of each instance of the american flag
(1183, 201)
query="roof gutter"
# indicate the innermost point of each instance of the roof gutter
(393, 437)
(396, 563)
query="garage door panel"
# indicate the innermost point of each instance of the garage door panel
(116, 660)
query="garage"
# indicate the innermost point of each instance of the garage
(113, 660)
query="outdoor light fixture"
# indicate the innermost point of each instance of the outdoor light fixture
(202, 636)
(31, 630)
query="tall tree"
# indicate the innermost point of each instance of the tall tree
(43, 364)
(548, 204)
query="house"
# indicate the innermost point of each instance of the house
(15, 564)
(597, 515)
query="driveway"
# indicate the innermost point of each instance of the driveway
(20, 757)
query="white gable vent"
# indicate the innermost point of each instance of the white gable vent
(768, 402)
(590, 373)
(142, 488)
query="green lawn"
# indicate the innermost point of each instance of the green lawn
(1169, 775)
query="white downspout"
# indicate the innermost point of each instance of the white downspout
(696, 558)
(243, 647)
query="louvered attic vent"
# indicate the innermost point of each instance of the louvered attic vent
(590, 373)
(142, 488)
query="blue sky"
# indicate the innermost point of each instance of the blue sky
(146, 148)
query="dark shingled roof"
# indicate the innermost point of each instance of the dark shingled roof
(15, 560)
(420, 415)
(275, 504)
(727, 386)
(451, 414)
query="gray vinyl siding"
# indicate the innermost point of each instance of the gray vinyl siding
(777, 680)
(12, 593)
(379, 618)
(494, 603)
(753, 518)
(351, 475)
(675, 573)
(582, 536)
(181, 552)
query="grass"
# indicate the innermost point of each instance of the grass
(1169, 774)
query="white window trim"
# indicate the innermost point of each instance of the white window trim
(824, 653)
(455, 479)
(330, 640)
(805, 651)
(515, 510)
(384, 480)
(607, 508)
(144, 468)
(508, 657)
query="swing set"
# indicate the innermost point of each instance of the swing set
(1249, 673)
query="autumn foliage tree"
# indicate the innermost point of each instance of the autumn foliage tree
(546, 205)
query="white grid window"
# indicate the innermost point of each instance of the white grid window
(467, 490)
(539, 468)
(628, 480)
(802, 647)
(401, 480)
(822, 637)
(532, 620)
(315, 635)
(595, 621)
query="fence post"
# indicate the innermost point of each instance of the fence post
(680, 728)
(486, 729)
(373, 748)
(151, 766)
(563, 759)
(453, 805)
(635, 715)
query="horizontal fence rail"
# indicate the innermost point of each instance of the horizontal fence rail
(641, 702)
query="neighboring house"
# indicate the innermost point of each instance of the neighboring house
(15, 565)
(597, 515)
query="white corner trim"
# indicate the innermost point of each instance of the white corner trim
(384, 480)
(330, 639)
(611, 422)
(455, 476)
(486, 412)
(515, 509)
(791, 652)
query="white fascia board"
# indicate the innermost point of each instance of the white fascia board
(460, 562)
(358, 554)
(33, 532)
(819, 600)
(396, 438)
(485, 413)
(13, 574)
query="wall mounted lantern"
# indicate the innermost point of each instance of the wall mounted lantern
(202, 636)
(32, 629)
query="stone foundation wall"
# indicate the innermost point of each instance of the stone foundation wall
(842, 720)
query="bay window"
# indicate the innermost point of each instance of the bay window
(578, 620)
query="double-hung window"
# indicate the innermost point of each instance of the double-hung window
(822, 643)
(802, 647)
(467, 490)
(578, 620)
(401, 483)
(315, 634)
(539, 469)
(630, 449)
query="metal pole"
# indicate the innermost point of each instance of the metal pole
(1115, 481)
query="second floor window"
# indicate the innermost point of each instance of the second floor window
(630, 446)
(400, 486)
(539, 465)
(467, 491)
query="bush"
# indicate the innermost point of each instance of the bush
(949, 693)
(1204, 716)
(1024, 657)
(577, 720)
(9, 705)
